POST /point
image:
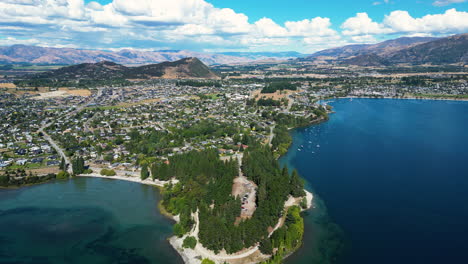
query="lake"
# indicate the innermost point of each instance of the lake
(84, 220)
(393, 175)
(390, 179)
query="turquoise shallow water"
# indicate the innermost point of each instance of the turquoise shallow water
(84, 220)
(393, 175)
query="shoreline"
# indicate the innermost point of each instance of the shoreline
(195, 256)
(149, 181)
(246, 256)
(402, 98)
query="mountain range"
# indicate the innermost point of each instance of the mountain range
(406, 50)
(68, 56)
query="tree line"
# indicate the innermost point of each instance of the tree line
(279, 86)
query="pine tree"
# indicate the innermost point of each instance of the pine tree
(62, 165)
(144, 172)
(78, 165)
(297, 185)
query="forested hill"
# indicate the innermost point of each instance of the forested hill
(109, 71)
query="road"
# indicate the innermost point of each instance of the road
(57, 148)
(272, 128)
(54, 144)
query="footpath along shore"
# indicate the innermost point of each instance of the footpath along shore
(148, 181)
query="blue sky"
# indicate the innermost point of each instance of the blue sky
(225, 25)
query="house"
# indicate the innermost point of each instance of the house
(21, 162)
(21, 152)
(37, 160)
(53, 163)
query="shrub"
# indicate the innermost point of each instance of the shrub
(304, 203)
(106, 172)
(179, 230)
(266, 247)
(4, 180)
(207, 261)
(190, 242)
(62, 175)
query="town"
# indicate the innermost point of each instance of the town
(40, 129)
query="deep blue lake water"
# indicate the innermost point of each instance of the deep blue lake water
(393, 175)
(84, 220)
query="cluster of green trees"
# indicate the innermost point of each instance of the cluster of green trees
(107, 172)
(203, 178)
(274, 184)
(282, 139)
(291, 121)
(285, 239)
(63, 165)
(189, 242)
(152, 142)
(207, 187)
(279, 86)
(19, 177)
(78, 165)
(208, 128)
(69, 142)
(194, 83)
(83, 83)
(205, 184)
(414, 80)
(63, 175)
(321, 112)
(217, 226)
(207, 261)
(218, 229)
(144, 174)
(268, 102)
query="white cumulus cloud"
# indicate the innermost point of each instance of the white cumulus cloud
(198, 24)
(447, 2)
(362, 24)
(452, 21)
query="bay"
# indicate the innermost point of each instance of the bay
(84, 220)
(393, 175)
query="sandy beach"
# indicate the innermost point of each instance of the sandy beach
(148, 181)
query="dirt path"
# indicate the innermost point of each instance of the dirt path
(131, 179)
